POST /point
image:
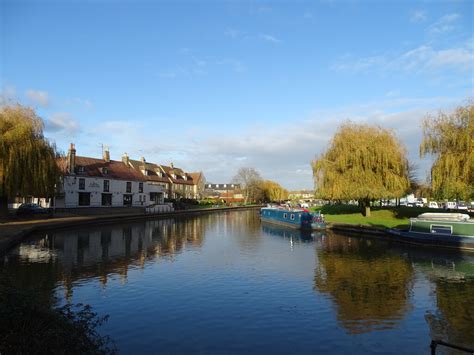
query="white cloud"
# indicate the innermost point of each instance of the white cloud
(37, 97)
(62, 122)
(268, 38)
(282, 152)
(418, 16)
(424, 58)
(444, 25)
(86, 103)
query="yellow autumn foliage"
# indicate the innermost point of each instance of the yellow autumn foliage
(450, 139)
(362, 162)
(27, 160)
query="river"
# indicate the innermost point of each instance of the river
(225, 283)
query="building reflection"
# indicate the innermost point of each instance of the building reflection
(369, 287)
(105, 251)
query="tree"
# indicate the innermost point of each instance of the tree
(450, 139)
(27, 160)
(250, 182)
(362, 163)
(273, 191)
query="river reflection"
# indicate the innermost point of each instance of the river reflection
(370, 287)
(227, 283)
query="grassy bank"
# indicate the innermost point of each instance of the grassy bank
(386, 217)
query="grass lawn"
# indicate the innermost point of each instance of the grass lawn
(380, 218)
(386, 217)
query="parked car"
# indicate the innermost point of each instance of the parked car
(419, 203)
(433, 204)
(462, 206)
(30, 209)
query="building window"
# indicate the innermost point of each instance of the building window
(105, 171)
(129, 187)
(106, 199)
(84, 199)
(82, 184)
(127, 200)
(80, 169)
(106, 185)
(140, 187)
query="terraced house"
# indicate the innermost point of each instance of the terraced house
(181, 183)
(153, 175)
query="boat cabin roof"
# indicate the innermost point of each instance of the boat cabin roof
(459, 217)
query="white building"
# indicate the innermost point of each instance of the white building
(90, 182)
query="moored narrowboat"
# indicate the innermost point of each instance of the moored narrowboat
(318, 222)
(298, 219)
(439, 229)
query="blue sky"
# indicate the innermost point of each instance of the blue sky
(215, 86)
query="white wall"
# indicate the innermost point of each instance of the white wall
(95, 186)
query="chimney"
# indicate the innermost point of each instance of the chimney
(106, 155)
(71, 159)
(125, 159)
(172, 166)
(142, 159)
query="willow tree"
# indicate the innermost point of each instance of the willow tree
(27, 160)
(273, 191)
(450, 138)
(362, 163)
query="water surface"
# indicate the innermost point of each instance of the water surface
(225, 283)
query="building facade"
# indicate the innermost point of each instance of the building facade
(90, 182)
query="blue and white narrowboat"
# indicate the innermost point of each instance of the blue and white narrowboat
(299, 219)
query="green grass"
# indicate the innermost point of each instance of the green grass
(380, 218)
(386, 217)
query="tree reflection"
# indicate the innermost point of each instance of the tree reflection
(454, 320)
(369, 287)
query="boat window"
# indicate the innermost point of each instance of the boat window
(285, 215)
(292, 216)
(441, 229)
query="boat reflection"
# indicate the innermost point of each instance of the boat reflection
(294, 235)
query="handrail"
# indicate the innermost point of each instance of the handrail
(435, 343)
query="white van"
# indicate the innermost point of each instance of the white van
(451, 205)
(433, 204)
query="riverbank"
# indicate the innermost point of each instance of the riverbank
(14, 232)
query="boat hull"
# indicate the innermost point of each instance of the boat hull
(434, 240)
(287, 218)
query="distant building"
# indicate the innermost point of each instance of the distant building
(227, 192)
(301, 195)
